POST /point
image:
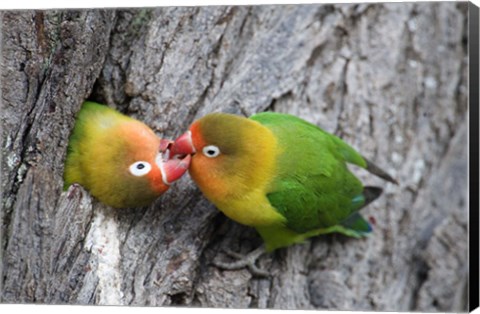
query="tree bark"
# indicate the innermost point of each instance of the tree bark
(390, 79)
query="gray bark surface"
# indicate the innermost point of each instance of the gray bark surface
(390, 79)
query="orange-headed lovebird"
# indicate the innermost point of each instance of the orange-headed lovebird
(280, 174)
(118, 159)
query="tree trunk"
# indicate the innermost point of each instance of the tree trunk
(390, 79)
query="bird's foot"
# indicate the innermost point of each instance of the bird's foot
(242, 261)
(74, 190)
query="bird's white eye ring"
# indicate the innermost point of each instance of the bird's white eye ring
(140, 168)
(211, 151)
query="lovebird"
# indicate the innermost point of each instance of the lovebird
(118, 159)
(283, 176)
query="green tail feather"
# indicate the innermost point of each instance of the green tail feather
(355, 225)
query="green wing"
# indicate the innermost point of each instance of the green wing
(313, 188)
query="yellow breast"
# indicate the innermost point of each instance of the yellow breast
(252, 209)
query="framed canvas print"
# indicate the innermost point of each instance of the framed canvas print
(318, 156)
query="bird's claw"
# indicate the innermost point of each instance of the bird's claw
(72, 191)
(242, 261)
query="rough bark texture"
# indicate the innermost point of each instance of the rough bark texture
(390, 79)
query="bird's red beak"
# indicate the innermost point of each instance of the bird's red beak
(183, 145)
(165, 144)
(174, 168)
(177, 157)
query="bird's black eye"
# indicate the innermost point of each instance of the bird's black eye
(211, 151)
(140, 168)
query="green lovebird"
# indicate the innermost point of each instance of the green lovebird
(283, 176)
(118, 159)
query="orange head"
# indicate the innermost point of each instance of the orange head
(231, 155)
(120, 160)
